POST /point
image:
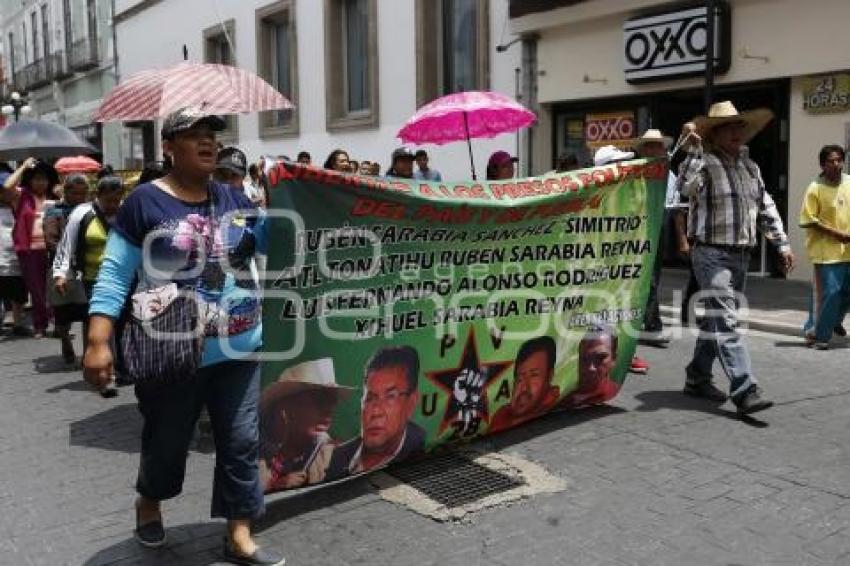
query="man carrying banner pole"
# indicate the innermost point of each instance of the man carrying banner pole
(727, 200)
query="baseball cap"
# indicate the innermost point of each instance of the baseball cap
(187, 118)
(401, 153)
(610, 154)
(233, 159)
(499, 158)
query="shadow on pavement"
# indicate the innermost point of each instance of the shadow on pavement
(77, 385)
(119, 428)
(676, 400)
(802, 344)
(53, 364)
(551, 422)
(192, 544)
(288, 505)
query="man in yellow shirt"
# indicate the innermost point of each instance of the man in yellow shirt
(826, 217)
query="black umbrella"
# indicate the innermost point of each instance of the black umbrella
(37, 138)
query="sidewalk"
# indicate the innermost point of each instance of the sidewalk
(775, 305)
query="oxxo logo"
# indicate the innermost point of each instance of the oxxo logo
(609, 128)
(669, 44)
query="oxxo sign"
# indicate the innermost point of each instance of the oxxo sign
(611, 128)
(669, 45)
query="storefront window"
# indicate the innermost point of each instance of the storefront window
(571, 139)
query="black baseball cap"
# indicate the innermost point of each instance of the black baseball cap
(233, 159)
(187, 118)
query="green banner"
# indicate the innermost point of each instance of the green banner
(400, 316)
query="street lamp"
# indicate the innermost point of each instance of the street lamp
(17, 106)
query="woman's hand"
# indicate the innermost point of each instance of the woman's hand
(97, 365)
(61, 285)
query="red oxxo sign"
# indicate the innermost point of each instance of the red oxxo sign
(610, 128)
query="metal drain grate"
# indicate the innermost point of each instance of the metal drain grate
(452, 480)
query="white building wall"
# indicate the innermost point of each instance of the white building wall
(154, 37)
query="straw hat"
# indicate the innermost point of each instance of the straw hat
(725, 112)
(306, 376)
(652, 135)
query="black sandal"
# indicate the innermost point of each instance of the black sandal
(149, 535)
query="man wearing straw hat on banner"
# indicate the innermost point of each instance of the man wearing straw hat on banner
(296, 415)
(727, 200)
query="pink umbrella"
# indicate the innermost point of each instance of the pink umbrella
(78, 164)
(465, 115)
(217, 89)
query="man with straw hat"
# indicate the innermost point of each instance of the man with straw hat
(728, 200)
(654, 144)
(295, 419)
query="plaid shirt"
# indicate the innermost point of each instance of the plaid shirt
(728, 200)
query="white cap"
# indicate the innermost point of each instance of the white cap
(610, 154)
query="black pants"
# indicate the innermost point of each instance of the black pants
(230, 390)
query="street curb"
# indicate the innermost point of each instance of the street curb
(762, 324)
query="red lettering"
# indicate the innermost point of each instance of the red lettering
(602, 177)
(369, 207)
(553, 186)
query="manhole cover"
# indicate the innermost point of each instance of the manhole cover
(453, 480)
(451, 486)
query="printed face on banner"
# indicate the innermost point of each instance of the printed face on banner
(454, 310)
(388, 405)
(532, 381)
(596, 360)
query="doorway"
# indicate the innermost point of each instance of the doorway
(667, 111)
(769, 149)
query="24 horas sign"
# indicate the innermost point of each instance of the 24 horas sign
(826, 93)
(403, 315)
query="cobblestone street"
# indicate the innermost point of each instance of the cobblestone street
(653, 478)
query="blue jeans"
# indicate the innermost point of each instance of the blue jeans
(721, 274)
(830, 299)
(230, 390)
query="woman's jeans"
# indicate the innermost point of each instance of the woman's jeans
(722, 274)
(34, 271)
(230, 391)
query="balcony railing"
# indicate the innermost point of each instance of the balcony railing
(35, 75)
(83, 55)
(20, 80)
(58, 66)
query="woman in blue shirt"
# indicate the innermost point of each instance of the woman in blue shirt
(189, 231)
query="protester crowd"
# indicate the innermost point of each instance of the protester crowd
(71, 248)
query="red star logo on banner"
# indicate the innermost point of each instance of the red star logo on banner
(466, 386)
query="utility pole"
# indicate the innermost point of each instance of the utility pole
(710, 33)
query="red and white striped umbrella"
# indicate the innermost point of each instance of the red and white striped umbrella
(217, 89)
(78, 164)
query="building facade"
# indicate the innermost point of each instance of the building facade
(355, 70)
(60, 54)
(609, 69)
